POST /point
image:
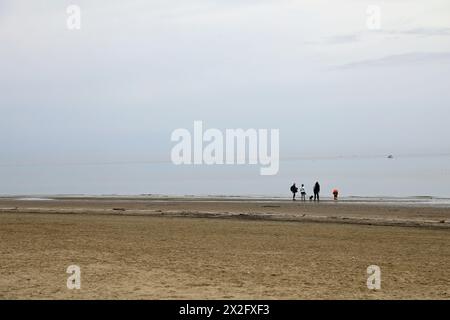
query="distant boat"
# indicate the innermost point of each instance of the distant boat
(390, 156)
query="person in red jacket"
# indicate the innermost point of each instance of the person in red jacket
(335, 194)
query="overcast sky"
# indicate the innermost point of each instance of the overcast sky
(137, 70)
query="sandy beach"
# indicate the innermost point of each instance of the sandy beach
(178, 248)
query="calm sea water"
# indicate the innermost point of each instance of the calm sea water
(398, 177)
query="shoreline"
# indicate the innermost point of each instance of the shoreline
(380, 200)
(342, 212)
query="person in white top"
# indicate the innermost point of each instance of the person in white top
(303, 192)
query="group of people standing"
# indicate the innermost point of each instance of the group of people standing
(316, 191)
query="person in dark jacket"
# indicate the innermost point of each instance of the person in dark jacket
(294, 190)
(316, 191)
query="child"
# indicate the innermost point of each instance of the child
(335, 194)
(303, 192)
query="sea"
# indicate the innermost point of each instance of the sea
(419, 177)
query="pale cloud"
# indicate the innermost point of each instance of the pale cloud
(419, 31)
(398, 60)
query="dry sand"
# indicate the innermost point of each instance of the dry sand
(157, 249)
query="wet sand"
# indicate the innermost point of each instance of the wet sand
(195, 249)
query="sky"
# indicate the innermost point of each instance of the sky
(114, 90)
